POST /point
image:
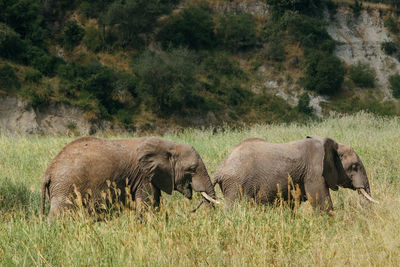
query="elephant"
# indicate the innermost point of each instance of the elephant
(138, 169)
(259, 170)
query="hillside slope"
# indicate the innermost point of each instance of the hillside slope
(149, 66)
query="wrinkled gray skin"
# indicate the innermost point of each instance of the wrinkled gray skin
(146, 166)
(316, 164)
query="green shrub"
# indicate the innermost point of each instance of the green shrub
(303, 6)
(131, 18)
(125, 118)
(194, 28)
(236, 31)
(331, 6)
(167, 82)
(72, 35)
(8, 79)
(92, 80)
(304, 104)
(33, 76)
(324, 73)
(42, 60)
(390, 48)
(356, 7)
(391, 24)
(362, 75)
(274, 50)
(94, 8)
(221, 64)
(11, 45)
(395, 85)
(37, 96)
(310, 31)
(101, 85)
(355, 104)
(25, 17)
(92, 39)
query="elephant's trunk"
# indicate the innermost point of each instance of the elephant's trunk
(366, 195)
(201, 182)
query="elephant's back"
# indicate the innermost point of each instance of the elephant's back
(256, 166)
(84, 163)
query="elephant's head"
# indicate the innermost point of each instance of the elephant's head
(343, 167)
(356, 175)
(177, 166)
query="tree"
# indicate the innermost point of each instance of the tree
(237, 31)
(324, 73)
(72, 35)
(304, 6)
(193, 28)
(167, 82)
(134, 17)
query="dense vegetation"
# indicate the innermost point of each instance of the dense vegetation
(253, 235)
(181, 65)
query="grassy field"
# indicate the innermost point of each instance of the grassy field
(248, 235)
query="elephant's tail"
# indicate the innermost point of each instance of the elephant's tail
(45, 189)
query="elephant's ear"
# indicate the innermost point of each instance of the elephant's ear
(155, 162)
(330, 165)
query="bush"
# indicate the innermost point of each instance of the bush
(167, 82)
(72, 35)
(324, 73)
(101, 85)
(93, 81)
(25, 18)
(302, 6)
(92, 39)
(274, 50)
(131, 18)
(237, 31)
(42, 60)
(37, 96)
(8, 79)
(304, 104)
(125, 118)
(362, 75)
(311, 32)
(394, 81)
(356, 7)
(194, 28)
(94, 8)
(221, 64)
(391, 24)
(11, 45)
(33, 76)
(390, 48)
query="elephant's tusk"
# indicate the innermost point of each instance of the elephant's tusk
(204, 194)
(365, 194)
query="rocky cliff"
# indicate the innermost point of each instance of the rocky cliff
(360, 40)
(17, 116)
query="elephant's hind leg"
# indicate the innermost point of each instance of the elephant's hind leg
(57, 208)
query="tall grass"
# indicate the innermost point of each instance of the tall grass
(249, 234)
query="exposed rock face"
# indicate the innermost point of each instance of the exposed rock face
(315, 104)
(17, 116)
(360, 40)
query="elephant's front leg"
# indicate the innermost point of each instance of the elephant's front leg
(318, 194)
(147, 195)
